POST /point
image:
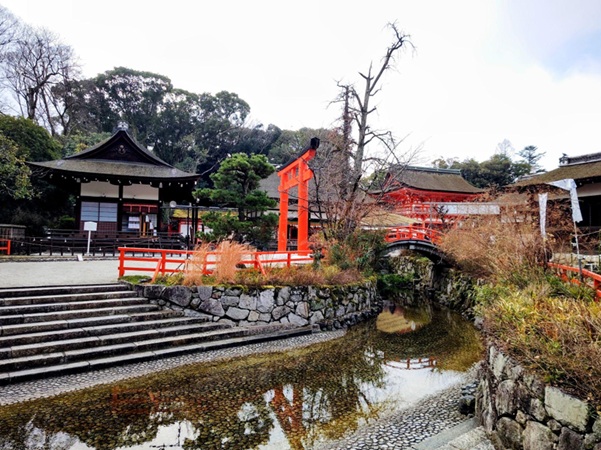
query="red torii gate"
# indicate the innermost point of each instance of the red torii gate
(297, 173)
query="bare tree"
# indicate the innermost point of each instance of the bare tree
(361, 108)
(35, 63)
(9, 29)
(341, 194)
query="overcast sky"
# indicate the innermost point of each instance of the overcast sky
(482, 71)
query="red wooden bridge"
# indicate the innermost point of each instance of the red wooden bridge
(413, 233)
(418, 238)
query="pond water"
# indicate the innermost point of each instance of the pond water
(293, 400)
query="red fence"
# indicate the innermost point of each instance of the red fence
(413, 232)
(159, 261)
(578, 276)
(5, 245)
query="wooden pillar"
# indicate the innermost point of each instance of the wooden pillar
(303, 208)
(283, 223)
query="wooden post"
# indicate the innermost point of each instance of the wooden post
(121, 262)
(303, 208)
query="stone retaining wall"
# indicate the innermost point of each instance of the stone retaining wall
(328, 307)
(524, 413)
(444, 285)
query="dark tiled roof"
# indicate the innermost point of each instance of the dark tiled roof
(115, 168)
(270, 185)
(121, 146)
(430, 179)
(575, 171)
(118, 157)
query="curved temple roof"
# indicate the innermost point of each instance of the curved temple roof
(429, 179)
(117, 157)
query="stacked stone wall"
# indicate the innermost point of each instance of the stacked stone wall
(524, 413)
(444, 285)
(327, 307)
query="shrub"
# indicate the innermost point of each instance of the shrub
(360, 251)
(391, 285)
(298, 276)
(560, 337)
(496, 248)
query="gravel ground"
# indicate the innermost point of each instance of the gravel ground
(42, 272)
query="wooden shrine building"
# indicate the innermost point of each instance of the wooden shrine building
(585, 170)
(119, 184)
(426, 193)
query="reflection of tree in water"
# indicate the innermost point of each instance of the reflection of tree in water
(453, 341)
(320, 392)
(223, 402)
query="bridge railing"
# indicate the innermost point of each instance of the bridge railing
(164, 261)
(579, 276)
(434, 209)
(413, 232)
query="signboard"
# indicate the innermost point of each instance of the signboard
(90, 226)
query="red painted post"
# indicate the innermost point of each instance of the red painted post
(8, 247)
(121, 262)
(163, 261)
(303, 209)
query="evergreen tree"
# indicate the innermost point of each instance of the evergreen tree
(236, 184)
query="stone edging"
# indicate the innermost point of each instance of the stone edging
(329, 307)
(525, 413)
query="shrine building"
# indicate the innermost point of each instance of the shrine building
(425, 193)
(585, 170)
(119, 184)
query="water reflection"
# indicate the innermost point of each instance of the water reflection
(294, 400)
(398, 319)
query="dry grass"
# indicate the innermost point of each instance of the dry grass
(229, 256)
(299, 276)
(495, 248)
(550, 326)
(559, 337)
(226, 270)
(195, 268)
(223, 270)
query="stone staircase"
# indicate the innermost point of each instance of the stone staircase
(49, 331)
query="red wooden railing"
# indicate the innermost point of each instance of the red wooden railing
(161, 262)
(5, 245)
(578, 276)
(413, 232)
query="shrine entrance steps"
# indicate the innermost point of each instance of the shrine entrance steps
(50, 331)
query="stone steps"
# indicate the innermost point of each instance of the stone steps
(61, 298)
(59, 330)
(59, 290)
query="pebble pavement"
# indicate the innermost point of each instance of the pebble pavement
(421, 427)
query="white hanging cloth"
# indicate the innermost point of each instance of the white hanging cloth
(570, 185)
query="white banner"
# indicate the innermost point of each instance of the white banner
(570, 185)
(542, 204)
